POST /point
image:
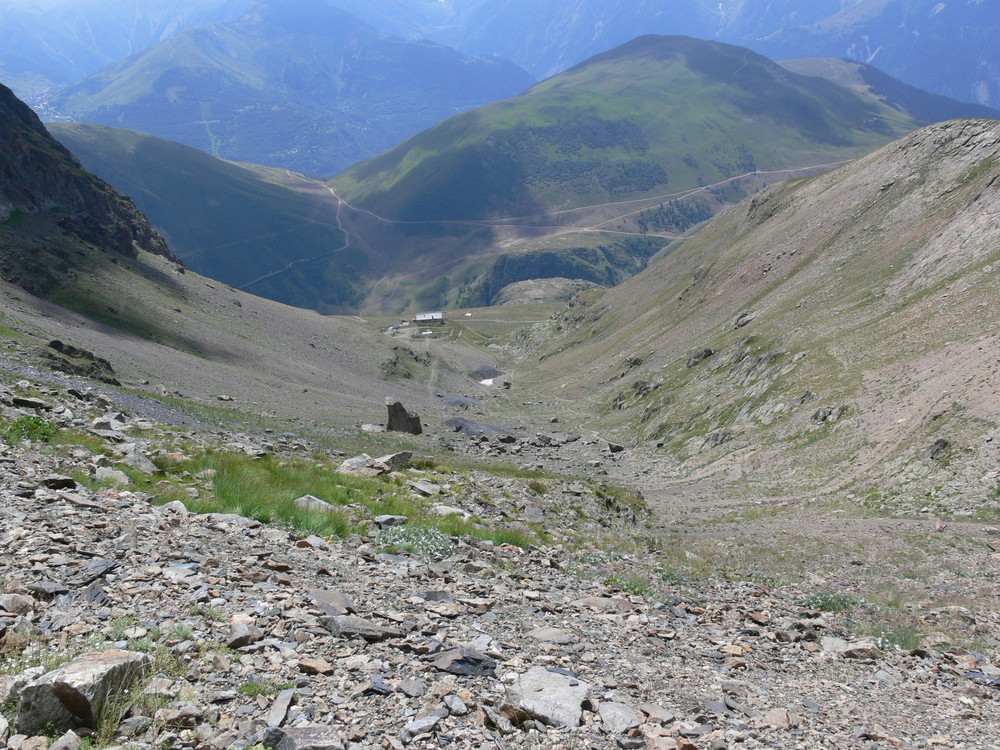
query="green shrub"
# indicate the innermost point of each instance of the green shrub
(34, 429)
(536, 487)
(254, 689)
(831, 601)
(424, 542)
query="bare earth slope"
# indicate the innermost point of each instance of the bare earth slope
(834, 332)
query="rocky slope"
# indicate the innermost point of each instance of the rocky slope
(830, 333)
(141, 625)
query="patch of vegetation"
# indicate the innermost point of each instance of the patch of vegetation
(424, 542)
(831, 601)
(254, 689)
(33, 428)
(266, 489)
(633, 584)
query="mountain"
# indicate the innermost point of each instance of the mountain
(656, 116)
(228, 221)
(945, 48)
(832, 332)
(56, 219)
(869, 80)
(290, 238)
(53, 43)
(592, 172)
(294, 83)
(88, 284)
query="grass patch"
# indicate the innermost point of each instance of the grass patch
(266, 489)
(253, 689)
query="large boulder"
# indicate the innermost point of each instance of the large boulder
(72, 696)
(551, 696)
(401, 420)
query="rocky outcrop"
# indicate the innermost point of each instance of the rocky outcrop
(38, 176)
(401, 419)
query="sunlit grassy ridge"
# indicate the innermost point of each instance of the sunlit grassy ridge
(656, 114)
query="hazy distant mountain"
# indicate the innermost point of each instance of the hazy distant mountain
(948, 48)
(944, 47)
(867, 79)
(46, 43)
(296, 84)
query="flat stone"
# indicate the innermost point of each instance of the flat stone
(333, 601)
(362, 466)
(311, 502)
(450, 510)
(552, 697)
(279, 709)
(319, 665)
(425, 723)
(69, 741)
(113, 476)
(396, 461)
(59, 483)
(618, 718)
(658, 713)
(242, 632)
(412, 687)
(840, 647)
(27, 402)
(17, 604)
(388, 520)
(781, 718)
(303, 738)
(456, 706)
(464, 661)
(553, 635)
(425, 488)
(349, 626)
(136, 459)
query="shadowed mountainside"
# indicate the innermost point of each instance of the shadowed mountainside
(50, 206)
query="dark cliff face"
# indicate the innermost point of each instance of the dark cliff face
(40, 178)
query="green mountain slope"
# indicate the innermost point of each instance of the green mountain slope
(834, 332)
(301, 85)
(229, 222)
(655, 116)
